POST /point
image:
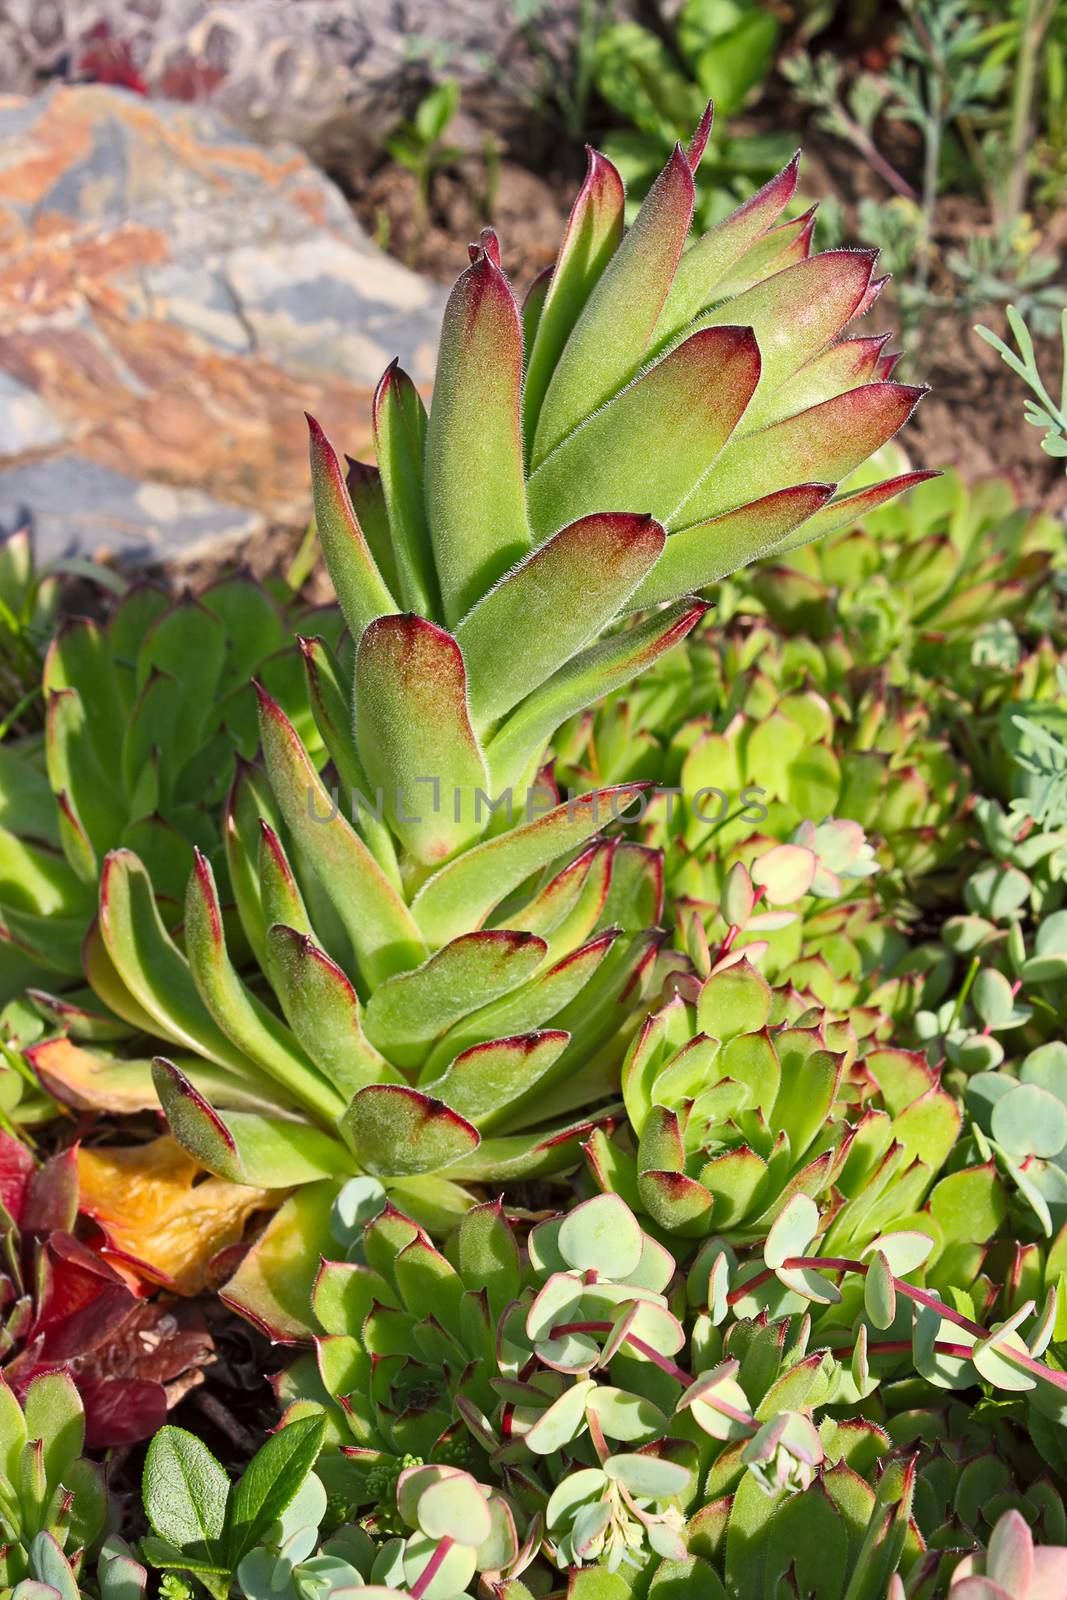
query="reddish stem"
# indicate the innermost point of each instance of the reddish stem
(661, 1361)
(922, 1297)
(900, 1347)
(596, 1433)
(734, 929)
(664, 1364)
(430, 1570)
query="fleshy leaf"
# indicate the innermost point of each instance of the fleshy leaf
(475, 481)
(547, 609)
(361, 589)
(611, 335)
(694, 397)
(395, 1131)
(414, 735)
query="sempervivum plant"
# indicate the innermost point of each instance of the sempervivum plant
(740, 1096)
(654, 417)
(143, 713)
(758, 731)
(46, 1484)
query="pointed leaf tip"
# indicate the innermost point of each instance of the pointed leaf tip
(394, 377)
(602, 180)
(699, 142)
(874, 289)
(361, 589)
(173, 1078)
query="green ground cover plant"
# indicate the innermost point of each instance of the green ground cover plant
(620, 946)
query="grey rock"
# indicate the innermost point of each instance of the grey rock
(27, 423)
(77, 506)
(174, 297)
(316, 304)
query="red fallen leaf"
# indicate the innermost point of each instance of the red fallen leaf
(121, 1411)
(81, 1300)
(67, 1308)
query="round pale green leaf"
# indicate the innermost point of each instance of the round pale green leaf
(655, 1269)
(653, 1324)
(809, 1283)
(413, 1483)
(629, 1417)
(1052, 935)
(602, 1235)
(543, 1246)
(964, 935)
(999, 1369)
(649, 1477)
(904, 1250)
(454, 1508)
(451, 1577)
(557, 1302)
(588, 1530)
(943, 1370)
(502, 1545)
(792, 1232)
(1030, 1122)
(576, 1490)
(978, 1052)
(993, 998)
(563, 1421)
(982, 1093)
(1047, 1067)
(713, 1397)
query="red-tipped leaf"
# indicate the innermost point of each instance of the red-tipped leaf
(612, 334)
(475, 483)
(361, 589)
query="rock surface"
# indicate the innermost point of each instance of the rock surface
(172, 296)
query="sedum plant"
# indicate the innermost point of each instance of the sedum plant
(722, 1431)
(482, 570)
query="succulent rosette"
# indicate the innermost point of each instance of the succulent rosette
(426, 939)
